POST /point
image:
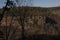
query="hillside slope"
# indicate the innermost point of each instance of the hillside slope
(34, 20)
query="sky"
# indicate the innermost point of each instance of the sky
(38, 3)
(46, 3)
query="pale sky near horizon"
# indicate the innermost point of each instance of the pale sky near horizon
(40, 3)
(46, 3)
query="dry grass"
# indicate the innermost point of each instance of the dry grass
(34, 21)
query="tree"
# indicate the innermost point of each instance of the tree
(11, 4)
(24, 2)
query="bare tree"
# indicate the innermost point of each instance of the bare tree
(11, 4)
(7, 7)
(22, 17)
(24, 2)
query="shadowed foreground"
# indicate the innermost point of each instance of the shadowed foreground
(15, 35)
(44, 37)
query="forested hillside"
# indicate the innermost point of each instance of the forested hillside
(37, 20)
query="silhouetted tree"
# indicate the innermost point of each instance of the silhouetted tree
(10, 4)
(22, 15)
(7, 7)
